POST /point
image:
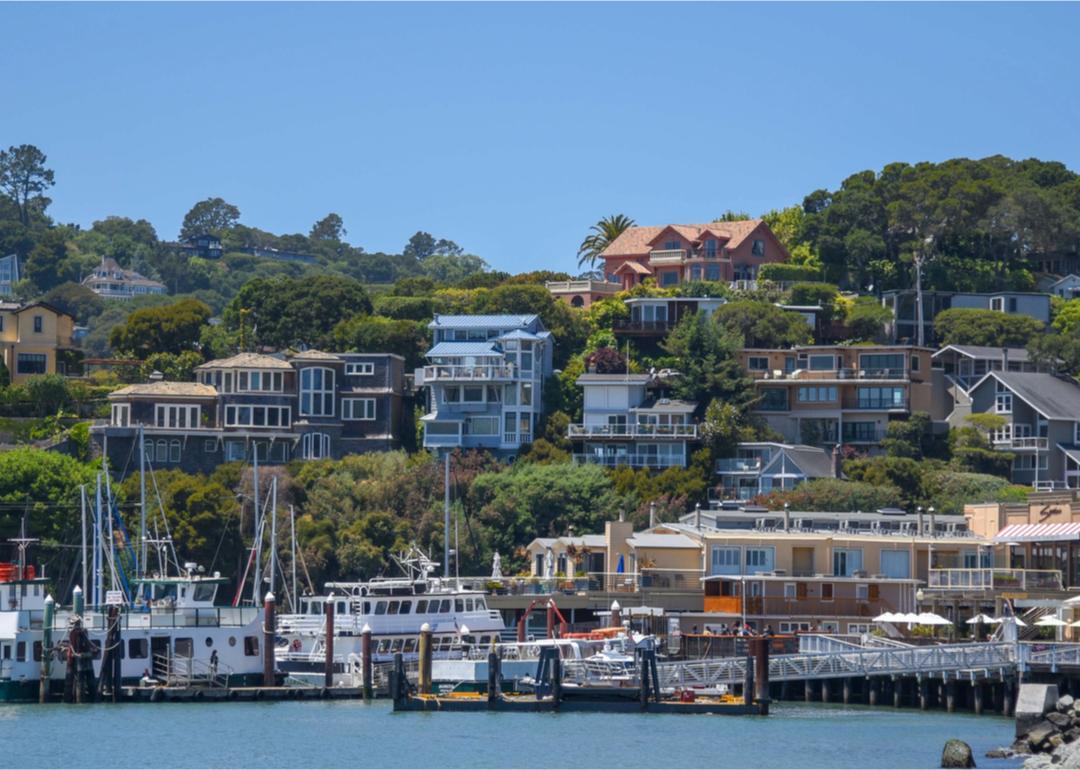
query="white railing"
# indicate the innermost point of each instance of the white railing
(738, 465)
(583, 285)
(1022, 442)
(634, 460)
(437, 373)
(832, 374)
(517, 438)
(995, 579)
(632, 430)
(667, 256)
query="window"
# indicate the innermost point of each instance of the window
(251, 646)
(481, 426)
(760, 559)
(358, 369)
(209, 445)
(472, 394)
(121, 415)
(174, 451)
(234, 450)
(710, 248)
(725, 561)
(895, 564)
(176, 416)
(162, 452)
(758, 249)
(39, 324)
(862, 592)
(672, 245)
(258, 416)
(826, 592)
(184, 647)
(880, 398)
(789, 591)
(1003, 400)
(882, 365)
(316, 446)
(860, 431)
(358, 409)
(914, 363)
(712, 272)
(810, 394)
(757, 363)
(821, 363)
(526, 394)
(847, 561)
(774, 399)
(669, 278)
(138, 648)
(32, 363)
(317, 392)
(997, 303)
(20, 651)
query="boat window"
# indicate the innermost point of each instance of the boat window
(137, 648)
(421, 607)
(37, 651)
(485, 640)
(184, 647)
(480, 605)
(251, 646)
(410, 645)
(367, 608)
(209, 642)
(7, 652)
(303, 607)
(406, 605)
(232, 641)
(380, 608)
(342, 608)
(393, 608)
(204, 592)
(445, 607)
(447, 642)
(468, 605)
(459, 605)
(384, 646)
(20, 650)
(316, 608)
(395, 645)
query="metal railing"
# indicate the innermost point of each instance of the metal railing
(633, 460)
(847, 374)
(995, 579)
(739, 465)
(630, 325)
(1022, 442)
(648, 579)
(667, 256)
(632, 430)
(437, 373)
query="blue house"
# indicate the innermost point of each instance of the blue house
(485, 379)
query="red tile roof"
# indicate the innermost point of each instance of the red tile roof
(636, 241)
(633, 266)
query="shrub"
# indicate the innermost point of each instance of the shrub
(785, 271)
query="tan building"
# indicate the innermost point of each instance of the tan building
(582, 292)
(833, 394)
(37, 339)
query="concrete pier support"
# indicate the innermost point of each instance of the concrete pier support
(1006, 698)
(897, 692)
(808, 690)
(872, 686)
(924, 694)
(785, 693)
(950, 696)
(846, 692)
(824, 690)
(977, 697)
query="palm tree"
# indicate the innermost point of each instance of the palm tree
(600, 237)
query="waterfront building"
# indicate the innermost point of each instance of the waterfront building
(311, 406)
(37, 339)
(582, 292)
(822, 395)
(760, 467)
(485, 380)
(902, 303)
(9, 274)
(654, 317)
(1067, 287)
(111, 281)
(204, 246)
(674, 254)
(629, 419)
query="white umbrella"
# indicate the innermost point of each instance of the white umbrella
(907, 617)
(930, 619)
(1016, 620)
(886, 617)
(1051, 621)
(980, 618)
(1075, 624)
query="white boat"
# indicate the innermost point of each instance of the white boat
(394, 609)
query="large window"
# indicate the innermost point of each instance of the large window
(881, 398)
(757, 363)
(358, 409)
(847, 561)
(32, 363)
(121, 415)
(1003, 400)
(758, 249)
(774, 399)
(882, 365)
(816, 394)
(895, 564)
(258, 416)
(176, 416)
(39, 324)
(361, 368)
(317, 392)
(316, 446)
(259, 382)
(860, 431)
(725, 561)
(482, 426)
(760, 559)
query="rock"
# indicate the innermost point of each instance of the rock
(1066, 755)
(957, 754)
(1065, 702)
(1037, 762)
(1056, 740)
(1039, 734)
(1059, 720)
(1072, 734)
(1000, 754)
(1033, 701)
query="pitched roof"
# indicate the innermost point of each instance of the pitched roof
(815, 463)
(637, 240)
(519, 334)
(45, 305)
(983, 351)
(503, 321)
(464, 349)
(650, 540)
(665, 405)
(315, 355)
(246, 361)
(1056, 398)
(632, 267)
(188, 389)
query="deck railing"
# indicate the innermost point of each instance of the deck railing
(632, 460)
(632, 430)
(995, 579)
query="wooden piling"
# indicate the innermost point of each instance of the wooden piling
(950, 696)
(977, 697)
(328, 644)
(748, 681)
(897, 692)
(761, 668)
(924, 693)
(1006, 698)
(808, 690)
(269, 626)
(824, 690)
(367, 664)
(46, 649)
(493, 678)
(846, 690)
(425, 659)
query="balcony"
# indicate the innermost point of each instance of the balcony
(633, 460)
(739, 465)
(660, 257)
(656, 580)
(599, 287)
(644, 327)
(995, 579)
(845, 375)
(633, 431)
(786, 607)
(1022, 442)
(455, 373)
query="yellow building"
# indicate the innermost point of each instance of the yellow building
(34, 339)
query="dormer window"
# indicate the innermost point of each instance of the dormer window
(758, 248)
(711, 248)
(672, 245)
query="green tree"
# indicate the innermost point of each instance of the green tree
(49, 393)
(812, 293)
(763, 325)
(176, 367)
(44, 486)
(375, 334)
(834, 495)
(971, 326)
(1058, 353)
(601, 235)
(866, 320)
(213, 216)
(329, 228)
(706, 360)
(24, 180)
(76, 300)
(1067, 318)
(914, 438)
(167, 329)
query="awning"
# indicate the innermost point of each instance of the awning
(1035, 533)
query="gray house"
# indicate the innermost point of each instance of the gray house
(903, 306)
(1043, 414)
(485, 381)
(760, 467)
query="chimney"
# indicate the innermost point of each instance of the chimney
(1004, 359)
(787, 517)
(697, 516)
(919, 520)
(652, 514)
(933, 526)
(836, 461)
(622, 515)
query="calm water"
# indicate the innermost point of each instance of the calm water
(348, 734)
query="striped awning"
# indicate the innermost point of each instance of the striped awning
(1034, 533)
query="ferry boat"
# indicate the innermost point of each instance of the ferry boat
(394, 609)
(174, 636)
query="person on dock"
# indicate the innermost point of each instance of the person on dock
(213, 663)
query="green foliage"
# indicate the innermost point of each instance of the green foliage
(453, 268)
(176, 367)
(76, 300)
(866, 320)
(405, 308)
(604, 313)
(785, 271)
(44, 485)
(706, 356)
(24, 180)
(168, 329)
(914, 438)
(949, 491)
(1058, 353)
(972, 326)
(834, 495)
(48, 392)
(375, 334)
(287, 312)
(763, 325)
(824, 294)
(902, 474)
(212, 216)
(1067, 318)
(600, 236)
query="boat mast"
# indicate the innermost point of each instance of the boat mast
(95, 595)
(256, 544)
(446, 519)
(273, 532)
(292, 531)
(142, 504)
(82, 512)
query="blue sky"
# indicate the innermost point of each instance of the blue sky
(511, 128)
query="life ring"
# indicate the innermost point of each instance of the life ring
(296, 645)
